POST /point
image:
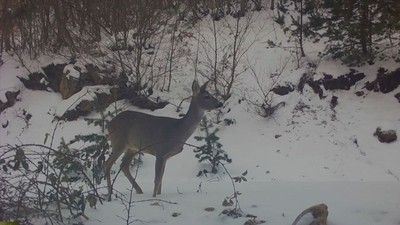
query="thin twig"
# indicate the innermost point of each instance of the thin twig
(235, 196)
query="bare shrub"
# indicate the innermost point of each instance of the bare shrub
(39, 182)
(223, 52)
(265, 106)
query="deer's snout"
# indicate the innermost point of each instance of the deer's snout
(220, 104)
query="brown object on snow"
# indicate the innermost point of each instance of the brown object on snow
(319, 213)
(385, 136)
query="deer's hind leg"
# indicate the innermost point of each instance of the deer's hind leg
(125, 167)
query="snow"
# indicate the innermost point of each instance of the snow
(71, 72)
(322, 156)
(275, 202)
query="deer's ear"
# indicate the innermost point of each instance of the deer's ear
(195, 87)
(204, 86)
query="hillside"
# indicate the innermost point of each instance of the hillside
(316, 147)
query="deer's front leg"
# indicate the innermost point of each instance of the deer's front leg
(160, 167)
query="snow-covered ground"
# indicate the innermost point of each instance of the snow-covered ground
(319, 155)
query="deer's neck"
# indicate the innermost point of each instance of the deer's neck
(192, 118)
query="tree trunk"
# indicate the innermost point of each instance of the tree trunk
(364, 21)
(301, 29)
(6, 26)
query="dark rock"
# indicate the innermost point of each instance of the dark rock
(93, 75)
(385, 81)
(385, 136)
(371, 86)
(35, 81)
(327, 76)
(3, 106)
(315, 85)
(334, 102)
(397, 96)
(303, 81)
(359, 93)
(388, 81)
(103, 100)
(11, 97)
(69, 85)
(343, 82)
(175, 214)
(283, 90)
(145, 103)
(54, 73)
(209, 209)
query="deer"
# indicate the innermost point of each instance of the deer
(132, 132)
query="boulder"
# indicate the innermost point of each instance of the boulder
(35, 81)
(343, 82)
(385, 136)
(54, 73)
(11, 97)
(283, 90)
(69, 85)
(385, 81)
(145, 103)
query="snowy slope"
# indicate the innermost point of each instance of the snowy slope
(321, 155)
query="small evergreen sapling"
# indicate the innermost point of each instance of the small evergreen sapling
(211, 151)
